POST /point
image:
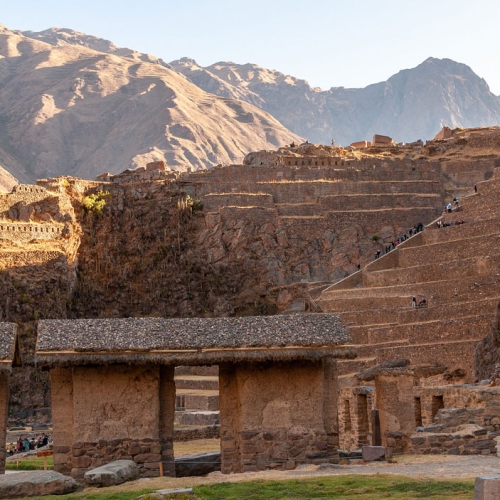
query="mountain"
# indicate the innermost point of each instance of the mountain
(7, 181)
(68, 108)
(414, 103)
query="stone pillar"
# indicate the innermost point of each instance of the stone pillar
(4, 405)
(395, 398)
(117, 416)
(275, 415)
(330, 408)
(167, 413)
(61, 383)
(230, 419)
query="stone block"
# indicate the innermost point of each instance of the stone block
(371, 453)
(117, 472)
(35, 483)
(487, 488)
(147, 457)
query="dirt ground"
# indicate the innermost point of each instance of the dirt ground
(429, 466)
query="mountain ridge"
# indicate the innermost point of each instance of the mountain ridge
(67, 109)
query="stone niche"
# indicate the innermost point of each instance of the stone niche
(277, 415)
(107, 413)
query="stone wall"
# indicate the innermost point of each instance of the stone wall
(26, 193)
(277, 415)
(24, 232)
(101, 414)
(214, 202)
(355, 408)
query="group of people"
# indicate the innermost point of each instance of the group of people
(422, 303)
(441, 223)
(414, 230)
(25, 444)
(449, 208)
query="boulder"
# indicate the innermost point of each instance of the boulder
(117, 472)
(371, 453)
(35, 483)
(487, 488)
(197, 465)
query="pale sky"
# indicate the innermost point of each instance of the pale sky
(329, 43)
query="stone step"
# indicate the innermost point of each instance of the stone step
(437, 293)
(212, 370)
(197, 418)
(469, 267)
(355, 365)
(197, 382)
(471, 229)
(374, 201)
(471, 328)
(191, 399)
(367, 350)
(445, 252)
(457, 309)
(453, 355)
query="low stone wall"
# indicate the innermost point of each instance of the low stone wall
(26, 232)
(146, 453)
(472, 440)
(192, 434)
(214, 202)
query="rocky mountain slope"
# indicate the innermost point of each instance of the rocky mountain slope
(415, 103)
(7, 181)
(67, 108)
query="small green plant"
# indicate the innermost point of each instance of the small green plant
(95, 203)
(375, 238)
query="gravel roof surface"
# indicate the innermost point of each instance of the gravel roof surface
(144, 334)
(7, 341)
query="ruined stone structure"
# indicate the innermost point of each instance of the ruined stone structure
(277, 388)
(9, 357)
(285, 231)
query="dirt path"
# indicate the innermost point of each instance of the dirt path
(430, 466)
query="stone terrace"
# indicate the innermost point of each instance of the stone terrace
(457, 269)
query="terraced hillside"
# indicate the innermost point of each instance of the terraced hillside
(456, 268)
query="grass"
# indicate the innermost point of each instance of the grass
(31, 463)
(348, 487)
(340, 487)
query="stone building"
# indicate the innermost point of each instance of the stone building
(9, 357)
(113, 392)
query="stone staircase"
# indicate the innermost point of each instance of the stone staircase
(197, 395)
(456, 268)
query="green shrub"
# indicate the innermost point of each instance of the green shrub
(95, 203)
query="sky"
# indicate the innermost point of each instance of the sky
(329, 43)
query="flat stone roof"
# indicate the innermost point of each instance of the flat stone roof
(295, 336)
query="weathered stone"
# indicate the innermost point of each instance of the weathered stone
(371, 453)
(197, 464)
(35, 483)
(487, 488)
(117, 472)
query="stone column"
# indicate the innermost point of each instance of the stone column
(330, 408)
(167, 413)
(4, 405)
(395, 398)
(275, 415)
(61, 382)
